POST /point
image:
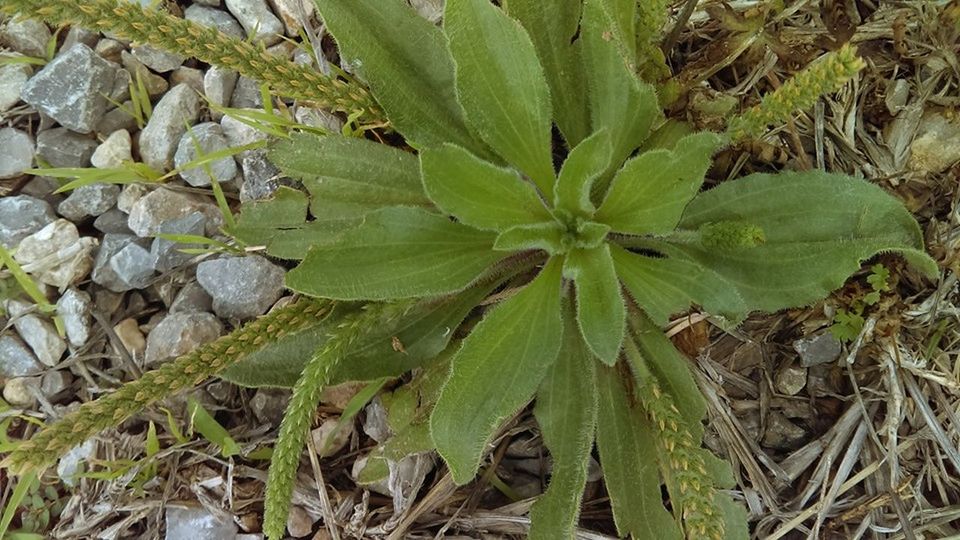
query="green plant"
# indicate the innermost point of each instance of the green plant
(848, 321)
(586, 265)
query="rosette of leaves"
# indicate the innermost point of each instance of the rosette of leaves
(594, 236)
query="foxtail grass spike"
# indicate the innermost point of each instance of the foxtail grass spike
(128, 20)
(826, 75)
(303, 404)
(185, 372)
(683, 464)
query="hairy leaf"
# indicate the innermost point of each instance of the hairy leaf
(621, 16)
(600, 309)
(628, 455)
(477, 192)
(666, 286)
(280, 223)
(405, 61)
(398, 252)
(649, 194)
(585, 163)
(552, 27)
(566, 410)
(497, 371)
(423, 333)
(546, 236)
(818, 227)
(735, 517)
(618, 101)
(501, 86)
(347, 177)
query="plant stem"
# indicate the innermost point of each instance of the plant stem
(130, 21)
(187, 371)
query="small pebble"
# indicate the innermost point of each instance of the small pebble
(291, 12)
(90, 200)
(56, 255)
(132, 266)
(209, 137)
(180, 333)
(256, 19)
(12, 79)
(21, 215)
(74, 308)
(72, 88)
(269, 404)
(191, 298)
(821, 348)
(27, 36)
(113, 151)
(55, 383)
(16, 359)
(299, 522)
(218, 86)
(179, 107)
(112, 221)
(328, 443)
(161, 205)
(130, 336)
(214, 18)
(61, 147)
(188, 523)
(16, 152)
(73, 462)
(129, 195)
(791, 379)
(156, 59)
(241, 287)
(20, 391)
(167, 254)
(40, 334)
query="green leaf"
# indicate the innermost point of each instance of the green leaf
(584, 164)
(818, 228)
(477, 192)
(546, 236)
(618, 101)
(280, 223)
(672, 371)
(628, 455)
(348, 177)
(211, 430)
(664, 286)
(621, 17)
(501, 86)
(735, 518)
(566, 410)
(397, 252)
(411, 78)
(552, 27)
(649, 194)
(600, 308)
(423, 332)
(497, 371)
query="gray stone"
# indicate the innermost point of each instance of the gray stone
(180, 333)
(791, 379)
(72, 88)
(90, 200)
(129, 195)
(110, 49)
(21, 216)
(116, 119)
(158, 141)
(191, 297)
(113, 151)
(112, 221)
(56, 254)
(54, 383)
(239, 133)
(218, 85)
(74, 309)
(61, 147)
(12, 79)
(818, 349)
(133, 267)
(76, 35)
(156, 59)
(16, 152)
(214, 18)
(198, 524)
(39, 334)
(291, 12)
(154, 84)
(246, 94)
(331, 437)
(937, 144)
(21, 391)
(72, 463)
(128, 331)
(166, 254)
(27, 36)
(256, 19)
(241, 287)
(319, 118)
(209, 137)
(104, 270)
(16, 359)
(189, 76)
(269, 404)
(781, 433)
(162, 205)
(299, 522)
(261, 178)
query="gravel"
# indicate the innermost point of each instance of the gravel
(180, 333)
(16, 358)
(241, 287)
(16, 152)
(158, 141)
(21, 216)
(209, 138)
